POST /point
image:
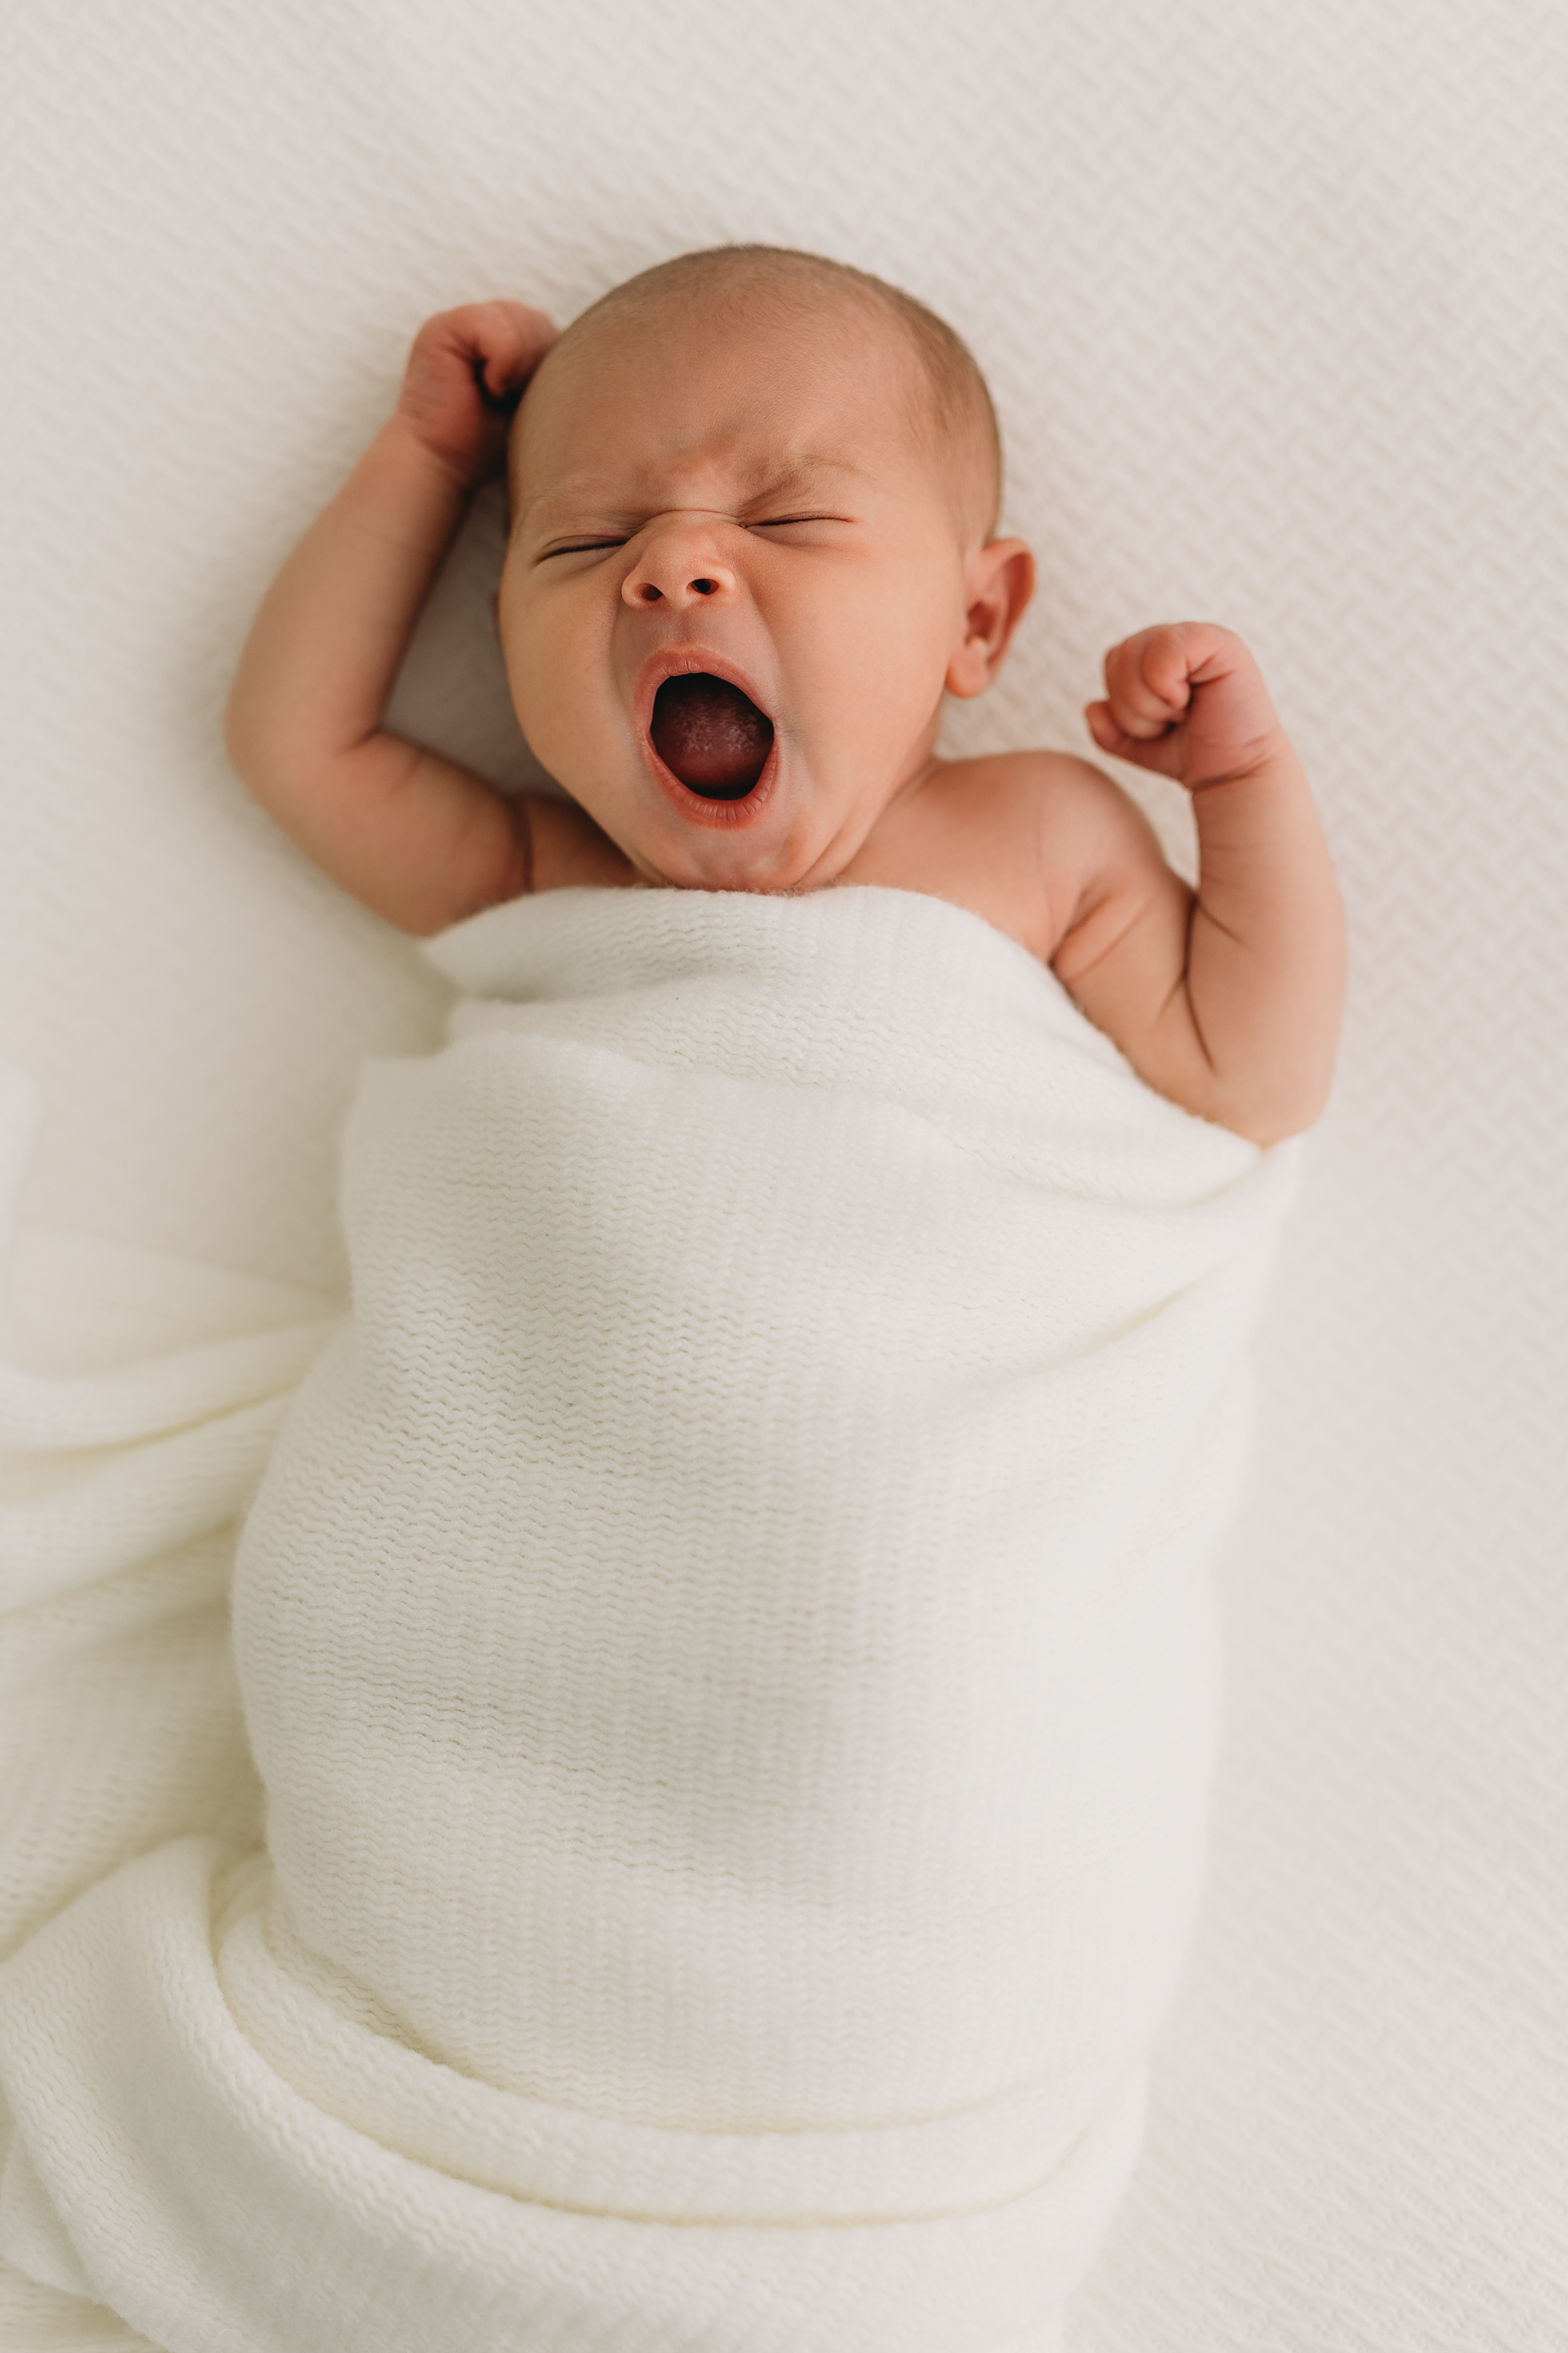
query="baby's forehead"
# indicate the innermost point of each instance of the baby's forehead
(759, 311)
(787, 413)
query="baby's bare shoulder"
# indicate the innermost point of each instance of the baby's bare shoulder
(566, 847)
(1045, 835)
(1017, 837)
(1056, 790)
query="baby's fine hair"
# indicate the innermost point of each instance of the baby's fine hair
(961, 410)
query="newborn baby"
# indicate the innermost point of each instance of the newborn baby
(754, 496)
(726, 1630)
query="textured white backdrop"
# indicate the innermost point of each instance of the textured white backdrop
(1274, 302)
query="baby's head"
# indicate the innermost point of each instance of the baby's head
(753, 500)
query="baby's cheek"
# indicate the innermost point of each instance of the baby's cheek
(555, 695)
(882, 693)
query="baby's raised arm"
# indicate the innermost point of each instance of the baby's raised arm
(1229, 1000)
(415, 836)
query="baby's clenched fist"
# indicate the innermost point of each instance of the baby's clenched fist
(1187, 700)
(467, 371)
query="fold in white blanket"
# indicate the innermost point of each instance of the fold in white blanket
(726, 1637)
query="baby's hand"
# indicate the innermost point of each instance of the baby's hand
(466, 375)
(1189, 701)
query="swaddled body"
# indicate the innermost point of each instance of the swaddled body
(766, 1684)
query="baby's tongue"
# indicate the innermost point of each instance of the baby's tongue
(713, 737)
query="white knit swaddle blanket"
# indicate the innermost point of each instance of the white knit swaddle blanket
(726, 1639)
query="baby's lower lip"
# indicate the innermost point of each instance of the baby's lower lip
(711, 736)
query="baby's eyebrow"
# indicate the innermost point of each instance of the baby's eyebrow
(799, 477)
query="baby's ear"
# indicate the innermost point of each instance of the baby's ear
(997, 589)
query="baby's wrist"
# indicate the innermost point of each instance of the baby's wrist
(404, 489)
(1253, 759)
(407, 446)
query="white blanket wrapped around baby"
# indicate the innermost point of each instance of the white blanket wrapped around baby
(727, 1639)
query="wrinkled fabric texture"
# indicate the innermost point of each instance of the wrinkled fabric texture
(726, 1636)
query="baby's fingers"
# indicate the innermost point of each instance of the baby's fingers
(498, 343)
(1146, 681)
(1187, 699)
(509, 340)
(466, 374)
(1156, 748)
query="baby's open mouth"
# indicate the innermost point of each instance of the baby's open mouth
(711, 735)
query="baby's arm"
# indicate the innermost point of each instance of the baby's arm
(417, 838)
(1230, 1002)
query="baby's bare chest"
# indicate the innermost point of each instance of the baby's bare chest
(979, 836)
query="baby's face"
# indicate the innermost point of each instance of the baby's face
(748, 498)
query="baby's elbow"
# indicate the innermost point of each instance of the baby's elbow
(246, 741)
(1266, 1115)
(1267, 1132)
(237, 740)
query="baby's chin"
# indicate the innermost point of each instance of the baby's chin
(744, 864)
(784, 843)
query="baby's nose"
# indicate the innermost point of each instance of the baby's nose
(678, 568)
